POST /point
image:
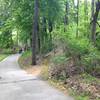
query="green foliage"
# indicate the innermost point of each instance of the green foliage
(78, 46)
(80, 53)
(26, 54)
(98, 41)
(7, 51)
(46, 47)
(3, 56)
(59, 59)
(91, 62)
(6, 40)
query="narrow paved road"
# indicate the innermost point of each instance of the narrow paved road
(16, 84)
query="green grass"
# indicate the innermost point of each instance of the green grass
(3, 56)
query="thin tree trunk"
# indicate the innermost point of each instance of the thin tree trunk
(85, 16)
(44, 30)
(30, 39)
(38, 40)
(50, 30)
(66, 16)
(35, 31)
(77, 33)
(44, 24)
(86, 10)
(17, 39)
(50, 26)
(92, 9)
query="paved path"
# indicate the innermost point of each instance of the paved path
(16, 84)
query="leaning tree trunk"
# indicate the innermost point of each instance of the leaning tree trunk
(35, 31)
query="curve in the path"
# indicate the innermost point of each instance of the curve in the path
(16, 84)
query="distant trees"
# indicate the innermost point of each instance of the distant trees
(6, 40)
(38, 28)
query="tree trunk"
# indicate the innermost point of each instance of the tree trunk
(17, 39)
(77, 33)
(44, 24)
(94, 20)
(35, 31)
(92, 9)
(66, 16)
(86, 10)
(50, 26)
(50, 30)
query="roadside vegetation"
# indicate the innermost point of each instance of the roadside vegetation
(3, 56)
(4, 53)
(70, 80)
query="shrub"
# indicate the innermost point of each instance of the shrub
(98, 41)
(78, 46)
(61, 67)
(91, 61)
(6, 51)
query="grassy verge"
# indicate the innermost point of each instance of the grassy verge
(81, 87)
(25, 63)
(3, 56)
(5, 52)
(25, 60)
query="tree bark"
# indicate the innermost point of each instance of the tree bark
(44, 24)
(50, 26)
(77, 33)
(66, 16)
(35, 31)
(86, 10)
(92, 9)
(94, 21)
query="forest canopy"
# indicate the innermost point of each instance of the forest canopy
(38, 24)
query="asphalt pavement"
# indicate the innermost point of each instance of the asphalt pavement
(16, 84)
